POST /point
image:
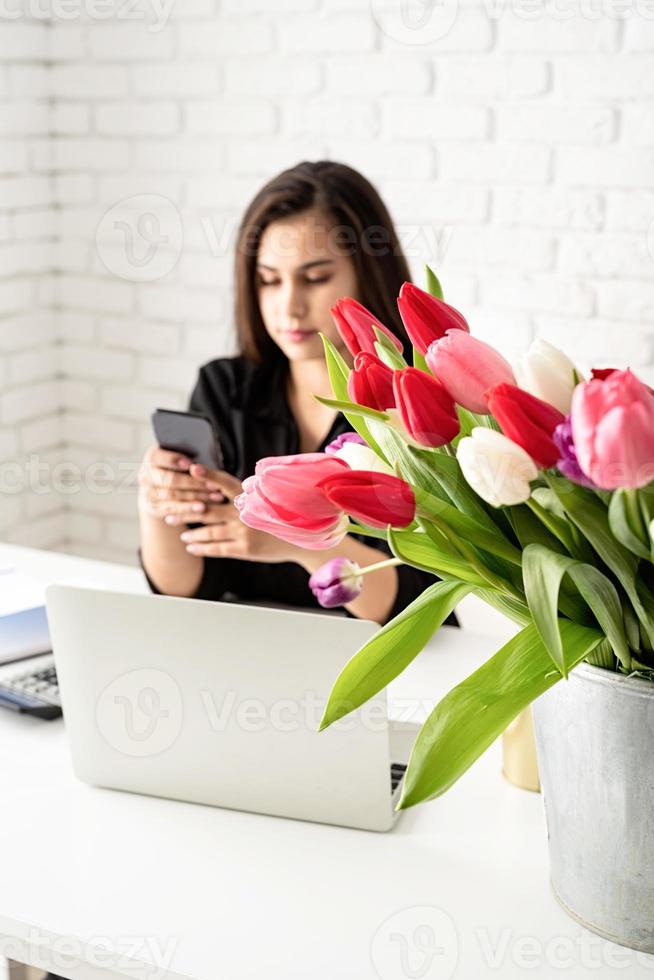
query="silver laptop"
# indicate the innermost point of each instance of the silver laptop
(219, 703)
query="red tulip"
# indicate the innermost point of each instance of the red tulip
(427, 411)
(371, 382)
(467, 368)
(355, 325)
(426, 318)
(376, 499)
(526, 420)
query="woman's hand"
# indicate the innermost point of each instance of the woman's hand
(167, 489)
(223, 535)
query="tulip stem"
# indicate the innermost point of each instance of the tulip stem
(389, 563)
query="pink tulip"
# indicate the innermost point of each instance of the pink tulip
(613, 431)
(601, 374)
(467, 368)
(282, 498)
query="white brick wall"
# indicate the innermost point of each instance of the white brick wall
(31, 438)
(515, 150)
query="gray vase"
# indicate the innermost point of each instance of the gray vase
(595, 744)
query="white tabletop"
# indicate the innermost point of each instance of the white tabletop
(123, 885)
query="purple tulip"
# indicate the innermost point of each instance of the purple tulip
(337, 582)
(337, 443)
(568, 463)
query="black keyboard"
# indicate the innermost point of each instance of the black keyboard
(31, 687)
(397, 774)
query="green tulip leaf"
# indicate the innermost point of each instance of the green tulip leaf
(587, 511)
(472, 715)
(419, 361)
(433, 283)
(603, 656)
(515, 610)
(543, 571)
(646, 504)
(429, 551)
(387, 351)
(631, 626)
(560, 527)
(530, 528)
(626, 523)
(546, 506)
(468, 528)
(337, 369)
(496, 572)
(548, 500)
(468, 421)
(352, 408)
(392, 649)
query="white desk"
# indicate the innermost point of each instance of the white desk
(115, 881)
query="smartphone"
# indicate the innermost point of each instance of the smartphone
(189, 434)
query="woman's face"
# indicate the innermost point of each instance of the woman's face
(301, 272)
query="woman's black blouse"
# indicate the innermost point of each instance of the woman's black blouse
(248, 407)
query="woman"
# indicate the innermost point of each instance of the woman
(314, 234)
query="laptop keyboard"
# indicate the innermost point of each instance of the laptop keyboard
(397, 774)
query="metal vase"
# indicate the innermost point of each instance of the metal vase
(595, 745)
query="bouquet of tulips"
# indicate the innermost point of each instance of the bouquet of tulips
(527, 485)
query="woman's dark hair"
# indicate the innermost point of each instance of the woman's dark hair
(364, 229)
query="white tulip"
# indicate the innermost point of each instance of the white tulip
(360, 457)
(547, 373)
(496, 468)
